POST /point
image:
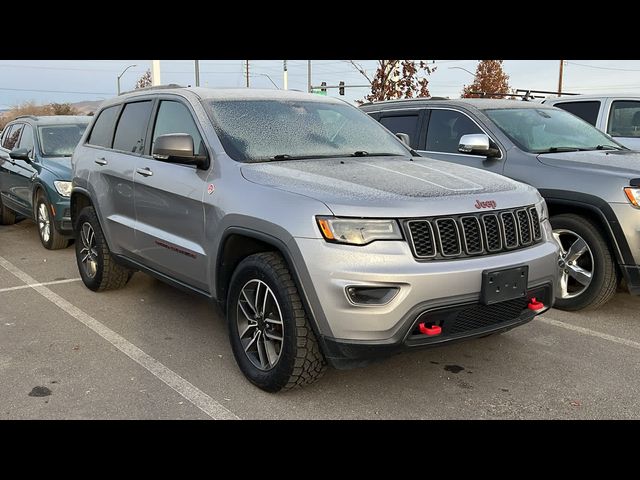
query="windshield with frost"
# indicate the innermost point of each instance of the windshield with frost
(549, 130)
(267, 130)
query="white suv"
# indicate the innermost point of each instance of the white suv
(617, 115)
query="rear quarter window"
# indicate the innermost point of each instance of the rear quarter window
(102, 132)
(587, 111)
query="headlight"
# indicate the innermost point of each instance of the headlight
(358, 231)
(63, 188)
(543, 210)
(633, 194)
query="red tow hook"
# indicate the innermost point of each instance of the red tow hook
(431, 330)
(535, 305)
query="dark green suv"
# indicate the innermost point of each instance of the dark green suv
(35, 173)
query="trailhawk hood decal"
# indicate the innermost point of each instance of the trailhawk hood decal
(391, 186)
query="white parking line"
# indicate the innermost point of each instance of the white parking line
(54, 282)
(196, 396)
(592, 333)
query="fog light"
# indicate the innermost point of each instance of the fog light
(371, 295)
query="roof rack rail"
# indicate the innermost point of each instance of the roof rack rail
(154, 87)
(33, 117)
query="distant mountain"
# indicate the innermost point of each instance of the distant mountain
(87, 106)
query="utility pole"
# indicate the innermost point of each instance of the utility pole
(309, 76)
(197, 67)
(246, 68)
(286, 76)
(155, 72)
(560, 78)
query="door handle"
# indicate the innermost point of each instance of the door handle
(146, 172)
(100, 161)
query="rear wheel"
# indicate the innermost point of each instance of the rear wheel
(50, 238)
(587, 272)
(7, 217)
(97, 267)
(270, 334)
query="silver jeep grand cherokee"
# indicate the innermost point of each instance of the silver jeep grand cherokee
(324, 238)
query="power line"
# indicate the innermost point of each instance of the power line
(604, 68)
(55, 91)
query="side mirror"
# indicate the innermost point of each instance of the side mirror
(404, 138)
(178, 148)
(477, 144)
(20, 154)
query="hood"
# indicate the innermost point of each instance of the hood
(391, 186)
(59, 166)
(604, 162)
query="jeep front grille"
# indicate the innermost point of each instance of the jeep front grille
(473, 234)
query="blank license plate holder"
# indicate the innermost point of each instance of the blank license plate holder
(504, 284)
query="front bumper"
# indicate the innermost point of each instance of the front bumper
(459, 322)
(62, 216)
(422, 287)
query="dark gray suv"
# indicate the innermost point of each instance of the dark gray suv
(590, 182)
(320, 234)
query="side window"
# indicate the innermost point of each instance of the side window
(102, 132)
(624, 119)
(445, 129)
(403, 124)
(5, 135)
(587, 111)
(12, 139)
(174, 117)
(27, 140)
(132, 127)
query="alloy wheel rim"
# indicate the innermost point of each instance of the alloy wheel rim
(44, 223)
(88, 252)
(575, 264)
(260, 325)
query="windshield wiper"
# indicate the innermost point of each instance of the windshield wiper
(607, 147)
(363, 153)
(563, 149)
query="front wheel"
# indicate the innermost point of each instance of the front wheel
(587, 272)
(50, 238)
(270, 334)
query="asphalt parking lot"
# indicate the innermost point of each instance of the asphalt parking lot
(150, 351)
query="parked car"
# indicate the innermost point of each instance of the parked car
(317, 231)
(617, 115)
(591, 183)
(35, 173)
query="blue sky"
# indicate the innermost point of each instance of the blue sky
(61, 81)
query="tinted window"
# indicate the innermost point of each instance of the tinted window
(132, 127)
(27, 140)
(102, 132)
(12, 139)
(174, 117)
(5, 135)
(60, 140)
(624, 119)
(403, 124)
(588, 111)
(445, 129)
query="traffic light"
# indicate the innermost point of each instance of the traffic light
(341, 88)
(322, 89)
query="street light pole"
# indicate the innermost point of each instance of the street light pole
(123, 74)
(468, 71)
(197, 67)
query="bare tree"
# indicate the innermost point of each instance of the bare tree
(490, 78)
(144, 80)
(398, 79)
